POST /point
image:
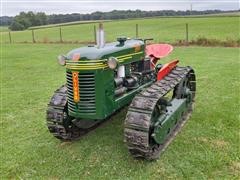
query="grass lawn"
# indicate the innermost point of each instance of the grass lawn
(4, 28)
(207, 147)
(161, 29)
(67, 24)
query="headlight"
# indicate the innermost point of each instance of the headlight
(112, 62)
(61, 60)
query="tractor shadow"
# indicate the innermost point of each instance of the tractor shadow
(104, 144)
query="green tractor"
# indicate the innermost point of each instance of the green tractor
(103, 78)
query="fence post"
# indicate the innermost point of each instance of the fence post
(33, 38)
(136, 30)
(10, 37)
(187, 33)
(94, 33)
(60, 33)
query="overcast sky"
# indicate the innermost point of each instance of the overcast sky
(13, 7)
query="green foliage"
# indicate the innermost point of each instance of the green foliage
(5, 20)
(17, 26)
(202, 41)
(123, 14)
(41, 18)
(206, 148)
(25, 20)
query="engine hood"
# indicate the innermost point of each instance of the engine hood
(93, 52)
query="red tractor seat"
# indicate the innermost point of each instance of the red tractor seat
(158, 50)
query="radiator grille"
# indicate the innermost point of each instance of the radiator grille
(87, 103)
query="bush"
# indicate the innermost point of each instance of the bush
(16, 26)
(25, 20)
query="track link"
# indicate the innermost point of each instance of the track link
(138, 125)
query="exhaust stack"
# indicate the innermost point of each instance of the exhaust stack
(100, 36)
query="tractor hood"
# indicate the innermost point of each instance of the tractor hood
(93, 52)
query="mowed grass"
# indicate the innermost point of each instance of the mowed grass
(4, 28)
(207, 147)
(161, 29)
(67, 24)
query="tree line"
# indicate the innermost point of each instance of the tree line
(28, 19)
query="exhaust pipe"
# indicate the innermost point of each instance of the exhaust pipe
(100, 36)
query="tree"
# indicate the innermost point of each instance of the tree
(26, 20)
(42, 17)
(16, 26)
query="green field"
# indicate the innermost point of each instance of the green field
(207, 147)
(67, 24)
(237, 13)
(161, 29)
(4, 28)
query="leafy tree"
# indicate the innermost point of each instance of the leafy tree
(42, 17)
(26, 20)
(16, 26)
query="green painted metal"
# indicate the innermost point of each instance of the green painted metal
(166, 122)
(94, 61)
(106, 102)
(132, 50)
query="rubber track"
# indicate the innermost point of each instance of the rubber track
(138, 119)
(57, 123)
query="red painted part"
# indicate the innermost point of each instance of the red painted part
(166, 69)
(153, 61)
(158, 50)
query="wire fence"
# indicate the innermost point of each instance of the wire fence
(175, 33)
(83, 35)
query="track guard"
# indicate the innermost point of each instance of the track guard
(166, 69)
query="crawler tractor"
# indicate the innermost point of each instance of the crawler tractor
(103, 78)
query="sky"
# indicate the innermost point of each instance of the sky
(13, 7)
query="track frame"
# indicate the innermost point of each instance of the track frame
(140, 121)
